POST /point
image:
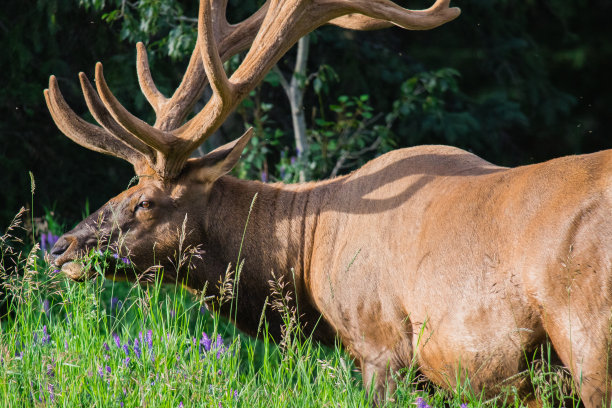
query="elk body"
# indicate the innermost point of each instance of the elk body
(428, 256)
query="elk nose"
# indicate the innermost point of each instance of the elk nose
(60, 247)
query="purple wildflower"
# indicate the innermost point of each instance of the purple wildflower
(101, 372)
(219, 342)
(105, 345)
(464, 405)
(55, 271)
(66, 344)
(219, 346)
(121, 404)
(149, 339)
(137, 349)
(117, 340)
(51, 390)
(116, 256)
(108, 369)
(50, 370)
(47, 241)
(126, 350)
(46, 339)
(264, 176)
(51, 239)
(205, 343)
(236, 395)
(116, 305)
(35, 338)
(219, 372)
(126, 361)
(152, 358)
(126, 261)
(180, 404)
(421, 403)
(46, 307)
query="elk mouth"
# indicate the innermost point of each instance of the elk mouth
(62, 257)
(76, 271)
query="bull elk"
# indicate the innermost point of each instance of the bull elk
(427, 255)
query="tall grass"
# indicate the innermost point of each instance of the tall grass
(107, 344)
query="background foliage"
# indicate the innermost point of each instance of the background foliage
(513, 82)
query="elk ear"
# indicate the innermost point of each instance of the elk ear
(220, 161)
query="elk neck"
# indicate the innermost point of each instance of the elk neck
(280, 221)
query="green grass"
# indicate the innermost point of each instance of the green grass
(109, 344)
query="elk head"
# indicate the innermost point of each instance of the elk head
(142, 221)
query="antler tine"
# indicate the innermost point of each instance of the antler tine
(157, 139)
(171, 111)
(231, 91)
(102, 116)
(210, 55)
(222, 89)
(231, 40)
(239, 37)
(360, 22)
(86, 134)
(375, 12)
(218, 13)
(145, 79)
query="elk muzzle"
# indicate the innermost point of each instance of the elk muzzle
(65, 255)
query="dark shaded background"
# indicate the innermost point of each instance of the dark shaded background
(534, 77)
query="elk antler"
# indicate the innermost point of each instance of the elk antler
(165, 147)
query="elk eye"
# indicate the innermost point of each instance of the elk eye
(144, 204)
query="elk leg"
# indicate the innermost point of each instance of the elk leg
(380, 357)
(586, 352)
(377, 379)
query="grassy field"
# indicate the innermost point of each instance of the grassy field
(111, 344)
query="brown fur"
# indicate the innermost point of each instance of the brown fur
(428, 254)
